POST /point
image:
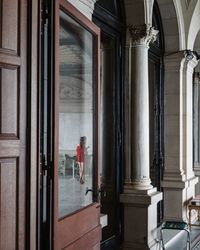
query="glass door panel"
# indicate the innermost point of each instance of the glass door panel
(76, 112)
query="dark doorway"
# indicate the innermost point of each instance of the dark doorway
(108, 16)
(156, 105)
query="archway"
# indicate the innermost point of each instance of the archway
(173, 25)
(194, 27)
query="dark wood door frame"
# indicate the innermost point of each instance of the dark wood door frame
(113, 27)
(45, 111)
(156, 54)
(32, 135)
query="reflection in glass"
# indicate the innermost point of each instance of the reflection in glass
(76, 116)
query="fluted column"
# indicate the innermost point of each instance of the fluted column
(141, 36)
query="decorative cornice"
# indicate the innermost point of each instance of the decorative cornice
(142, 34)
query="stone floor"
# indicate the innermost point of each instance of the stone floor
(179, 242)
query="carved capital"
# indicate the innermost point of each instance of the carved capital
(142, 34)
(189, 55)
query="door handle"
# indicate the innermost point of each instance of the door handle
(88, 190)
(100, 191)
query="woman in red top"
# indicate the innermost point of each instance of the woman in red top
(81, 151)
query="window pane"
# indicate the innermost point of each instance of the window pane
(76, 116)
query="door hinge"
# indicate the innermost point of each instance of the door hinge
(47, 167)
(44, 13)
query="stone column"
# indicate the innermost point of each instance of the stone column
(179, 180)
(196, 97)
(141, 37)
(196, 101)
(139, 198)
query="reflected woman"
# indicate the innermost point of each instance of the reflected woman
(81, 152)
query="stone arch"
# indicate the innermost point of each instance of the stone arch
(194, 27)
(197, 49)
(140, 12)
(173, 25)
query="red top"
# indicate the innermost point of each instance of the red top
(80, 154)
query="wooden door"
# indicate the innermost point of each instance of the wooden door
(13, 94)
(76, 208)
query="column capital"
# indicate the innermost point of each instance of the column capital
(142, 34)
(191, 55)
(191, 60)
(184, 58)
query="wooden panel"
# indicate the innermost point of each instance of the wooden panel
(9, 24)
(78, 224)
(13, 123)
(89, 241)
(8, 205)
(9, 61)
(9, 148)
(9, 102)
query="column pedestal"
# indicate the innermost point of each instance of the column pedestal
(140, 218)
(176, 197)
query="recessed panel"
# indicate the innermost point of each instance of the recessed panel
(9, 24)
(8, 207)
(9, 102)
